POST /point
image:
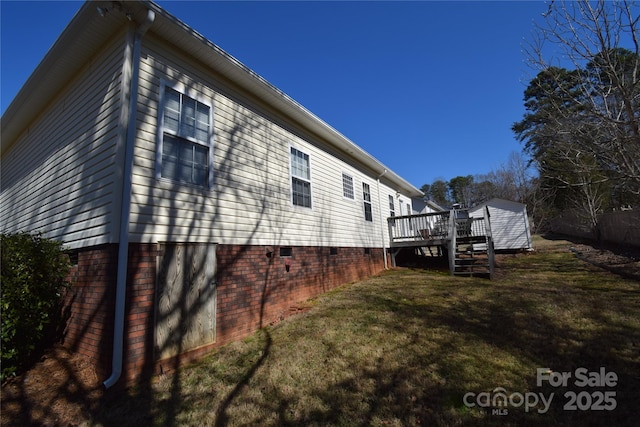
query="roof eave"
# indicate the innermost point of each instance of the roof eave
(88, 31)
(85, 34)
(168, 26)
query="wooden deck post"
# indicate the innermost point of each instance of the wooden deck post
(452, 241)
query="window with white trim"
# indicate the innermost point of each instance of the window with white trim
(186, 132)
(347, 186)
(366, 198)
(392, 209)
(300, 178)
(392, 206)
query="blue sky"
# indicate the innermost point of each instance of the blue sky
(431, 89)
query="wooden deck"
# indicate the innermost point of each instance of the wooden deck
(422, 230)
(466, 241)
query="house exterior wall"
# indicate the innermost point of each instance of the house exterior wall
(61, 177)
(249, 202)
(254, 289)
(247, 212)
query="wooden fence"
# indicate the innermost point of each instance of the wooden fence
(621, 227)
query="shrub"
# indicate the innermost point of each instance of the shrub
(33, 271)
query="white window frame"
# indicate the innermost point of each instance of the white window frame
(162, 130)
(366, 202)
(353, 187)
(392, 209)
(292, 176)
(392, 206)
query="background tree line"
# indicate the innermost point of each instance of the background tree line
(581, 128)
(513, 180)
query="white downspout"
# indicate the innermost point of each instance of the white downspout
(123, 247)
(382, 223)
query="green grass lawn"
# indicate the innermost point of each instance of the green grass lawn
(407, 346)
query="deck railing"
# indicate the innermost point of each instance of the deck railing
(471, 227)
(434, 227)
(449, 230)
(421, 227)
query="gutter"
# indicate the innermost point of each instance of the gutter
(384, 248)
(248, 80)
(123, 248)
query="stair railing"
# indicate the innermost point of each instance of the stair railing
(452, 241)
(489, 234)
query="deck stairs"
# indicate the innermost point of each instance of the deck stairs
(471, 246)
(467, 241)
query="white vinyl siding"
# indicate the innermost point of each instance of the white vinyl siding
(509, 223)
(60, 177)
(250, 201)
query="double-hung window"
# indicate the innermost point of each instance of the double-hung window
(347, 186)
(392, 209)
(186, 134)
(392, 206)
(366, 198)
(300, 178)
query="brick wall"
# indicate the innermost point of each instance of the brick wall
(89, 304)
(139, 311)
(255, 287)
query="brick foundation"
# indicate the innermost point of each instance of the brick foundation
(89, 305)
(255, 287)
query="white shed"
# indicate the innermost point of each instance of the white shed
(509, 223)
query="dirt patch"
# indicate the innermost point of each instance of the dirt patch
(624, 261)
(60, 390)
(621, 260)
(63, 388)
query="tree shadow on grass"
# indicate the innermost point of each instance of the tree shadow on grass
(511, 323)
(453, 337)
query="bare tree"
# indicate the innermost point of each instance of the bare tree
(600, 42)
(512, 180)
